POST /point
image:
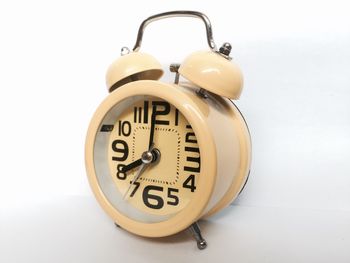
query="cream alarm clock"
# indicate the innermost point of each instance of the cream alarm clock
(161, 156)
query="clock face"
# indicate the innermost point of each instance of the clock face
(155, 191)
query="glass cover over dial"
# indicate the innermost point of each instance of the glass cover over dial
(147, 159)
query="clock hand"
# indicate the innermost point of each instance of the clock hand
(153, 122)
(137, 176)
(132, 165)
(146, 157)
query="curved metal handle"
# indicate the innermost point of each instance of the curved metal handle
(182, 13)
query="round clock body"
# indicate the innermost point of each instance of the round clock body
(203, 156)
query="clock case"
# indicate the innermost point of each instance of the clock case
(209, 83)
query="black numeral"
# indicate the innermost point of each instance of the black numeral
(189, 183)
(196, 161)
(120, 174)
(165, 110)
(175, 199)
(145, 109)
(191, 137)
(120, 146)
(124, 128)
(176, 117)
(137, 185)
(151, 200)
(154, 201)
(141, 114)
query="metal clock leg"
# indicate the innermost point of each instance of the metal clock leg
(201, 243)
(117, 225)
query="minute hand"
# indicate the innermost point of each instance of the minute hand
(153, 123)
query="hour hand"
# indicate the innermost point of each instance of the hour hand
(132, 165)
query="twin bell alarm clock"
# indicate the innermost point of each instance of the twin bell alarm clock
(161, 156)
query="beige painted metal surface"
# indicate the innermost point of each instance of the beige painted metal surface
(224, 145)
(213, 72)
(131, 67)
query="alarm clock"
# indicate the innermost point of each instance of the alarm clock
(161, 156)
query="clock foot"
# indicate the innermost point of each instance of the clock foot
(117, 225)
(201, 243)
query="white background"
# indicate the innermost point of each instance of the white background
(295, 56)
